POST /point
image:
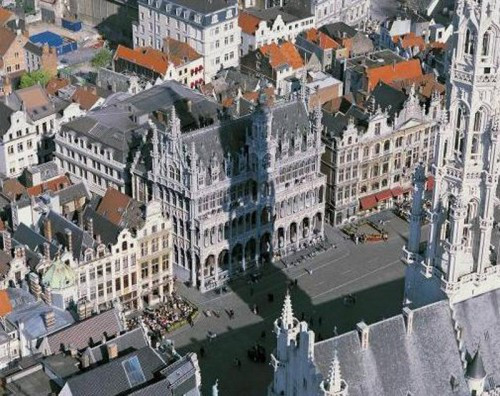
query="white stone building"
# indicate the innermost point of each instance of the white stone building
(262, 27)
(446, 340)
(458, 262)
(26, 117)
(209, 27)
(352, 12)
(100, 263)
(239, 192)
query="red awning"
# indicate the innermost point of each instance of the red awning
(368, 202)
(397, 191)
(430, 183)
(383, 195)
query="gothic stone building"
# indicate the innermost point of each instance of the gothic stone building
(238, 192)
(446, 342)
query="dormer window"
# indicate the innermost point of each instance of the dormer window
(197, 18)
(215, 18)
(229, 13)
(178, 11)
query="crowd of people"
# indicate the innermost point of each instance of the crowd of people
(162, 318)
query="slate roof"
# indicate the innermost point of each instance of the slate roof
(427, 361)
(5, 113)
(96, 382)
(31, 315)
(81, 239)
(387, 97)
(229, 137)
(107, 230)
(74, 192)
(33, 48)
(339, 30)
(25, 235)
(132, 340)
(80, 333)
(395, 363)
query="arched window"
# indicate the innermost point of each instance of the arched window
(459, 117)
(477, 121)
(377, 148)
(469, 42)
(387, 145)
(485, 49)
(475, 144)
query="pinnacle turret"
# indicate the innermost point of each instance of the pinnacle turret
(286, 317)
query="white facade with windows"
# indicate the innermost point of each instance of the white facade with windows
(352, 12)
(212, 29)
(273, 27)
(20, 141)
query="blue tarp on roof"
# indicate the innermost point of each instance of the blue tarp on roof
(50, 38)
(62, 44)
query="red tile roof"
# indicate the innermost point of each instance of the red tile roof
(52, 185)
(397, 191)
(146, 57)
(113, 205)
(284, 54)
(179, 53)
(55, 84)
(5, 304)
(390, 73)
(410, 40)
(248, 23)
(84, 97)
(321, 39)
(5, 15)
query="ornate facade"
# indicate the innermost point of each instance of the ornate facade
(458, 263)
(239, 192)
(369, 165)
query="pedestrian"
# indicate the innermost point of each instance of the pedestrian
(202, 351)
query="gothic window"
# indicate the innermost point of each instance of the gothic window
(387, 145)
(469, 43)
(366, 152)
(477, 121)
(475, 144)
(377, 148)
(171, 172)
(485, 49)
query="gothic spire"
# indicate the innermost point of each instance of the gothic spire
(334, 379)
(286, 317)
(475, 368)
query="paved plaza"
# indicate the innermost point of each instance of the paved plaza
(372, 272)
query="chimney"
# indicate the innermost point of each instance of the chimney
(112, 351)
(90, 227)
(408, 318)
(364, 334)
(7, 242)
(47, 229)
(85, 360)
(72, 350)
(80, 219)
(46, 251)
(69, 239)
(49, 319)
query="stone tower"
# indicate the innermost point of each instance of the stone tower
(457, 263)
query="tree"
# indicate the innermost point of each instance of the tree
(102, 58)
(35, 77)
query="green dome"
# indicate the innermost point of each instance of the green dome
(59, 276)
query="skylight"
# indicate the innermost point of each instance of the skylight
(134, 372)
